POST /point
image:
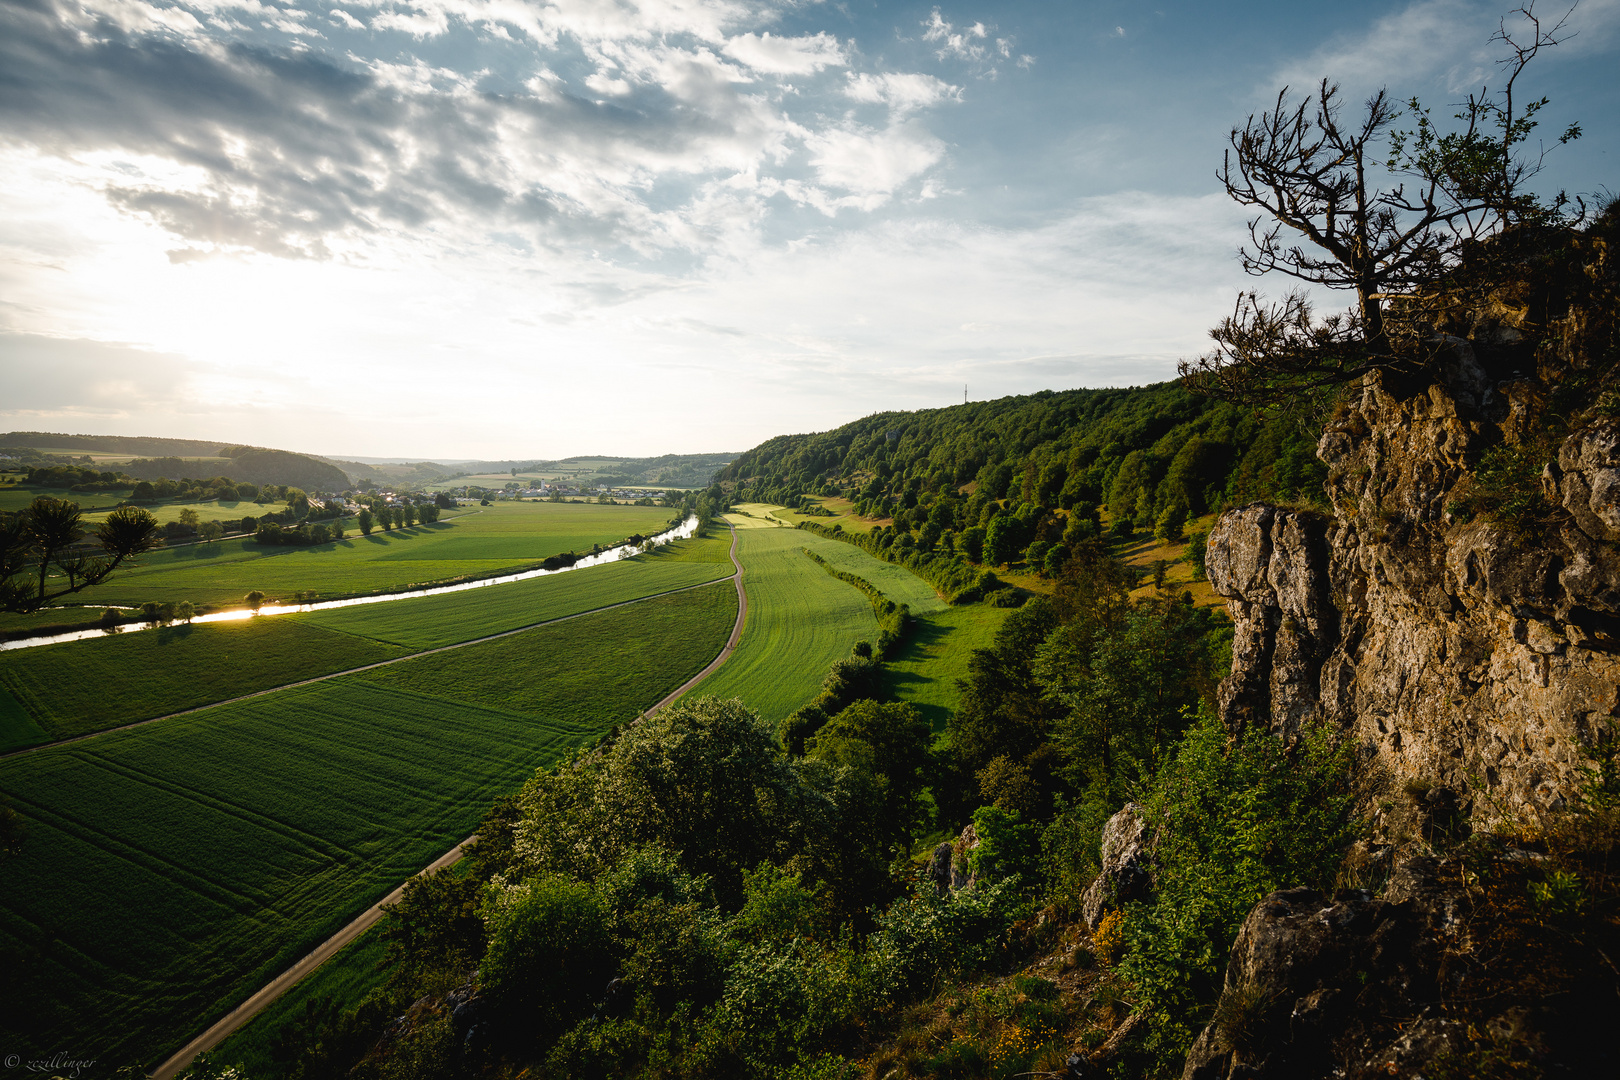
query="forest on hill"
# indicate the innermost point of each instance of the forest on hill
(1139, 452)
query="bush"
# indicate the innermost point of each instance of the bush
(549, 956)
(1233, 821)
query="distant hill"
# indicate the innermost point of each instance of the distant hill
(134, 445)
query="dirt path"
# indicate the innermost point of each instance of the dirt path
(731, 643)
(259, 1001)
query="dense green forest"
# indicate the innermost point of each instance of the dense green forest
(1141, 452)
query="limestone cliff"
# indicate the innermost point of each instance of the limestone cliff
(1472, 651)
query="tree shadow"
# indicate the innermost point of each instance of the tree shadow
(174, 632)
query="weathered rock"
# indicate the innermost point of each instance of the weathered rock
(1455, 651)
(939, 867)
(1344, 985)
(1126, 872)
(961, 878)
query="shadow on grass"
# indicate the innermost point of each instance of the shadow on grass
(926, 637)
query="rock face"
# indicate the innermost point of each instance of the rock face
(1465, 655)
(1337, 986)
(1126, 873)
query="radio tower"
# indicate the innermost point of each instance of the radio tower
(964, 393)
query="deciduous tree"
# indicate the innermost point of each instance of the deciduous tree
(43, 537)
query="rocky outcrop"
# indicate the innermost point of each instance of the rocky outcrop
(1343, 985)
(1471, 655)
(1126, 871)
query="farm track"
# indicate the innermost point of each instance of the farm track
(284, 982)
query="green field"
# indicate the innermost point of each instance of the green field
(503, 536)
(210, 510)
(17, 497)
(937, 655)
(84, 686)
(171, 869)
(627, 647)
(800, 620)
(440, 620)
(70, 618)
(343, 981)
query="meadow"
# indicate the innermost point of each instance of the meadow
(501, 537)
(442, 620)
(17, 496)
(236, 838)
(800, 619)
(230, 511)
(937, 655)
(58, 691)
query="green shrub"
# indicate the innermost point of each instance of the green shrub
(1233, 821)
(549, 955)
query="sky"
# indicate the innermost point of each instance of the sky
(540, 228)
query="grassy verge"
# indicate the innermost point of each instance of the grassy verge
(343, 980)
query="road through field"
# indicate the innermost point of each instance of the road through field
(272, 990)
(731, 642)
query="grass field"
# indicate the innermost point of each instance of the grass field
(70, 618)
(84, 686)
(441, 620)
(843, 513)
(169, 870)
(16, 497)
(505, 535)
(342, 981)
(210, 510)
(937, 655)
(800, 620)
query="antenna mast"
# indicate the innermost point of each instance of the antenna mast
(964, 393)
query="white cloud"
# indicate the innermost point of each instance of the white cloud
(343, 18)
(901, 91)
(873, 163)
(1445, 41)
(966, 43)
(786, 55)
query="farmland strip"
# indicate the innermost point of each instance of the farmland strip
(260, 1000)
(354, 670)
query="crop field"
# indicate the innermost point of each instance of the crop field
(800, 620)
(503, 536)
(237, 838)
(937, 655)
(84, 686)
(441, 620)
(209, 510)
(657, 643)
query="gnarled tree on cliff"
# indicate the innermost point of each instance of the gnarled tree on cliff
(1325, 220)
